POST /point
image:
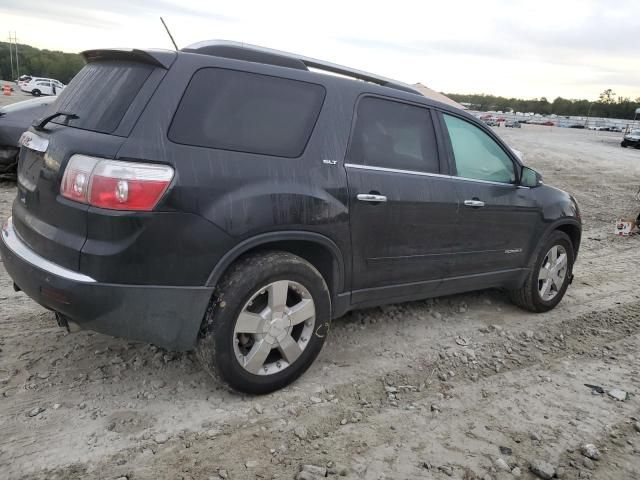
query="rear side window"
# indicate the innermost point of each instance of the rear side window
(394, 135)
(100, 94)
(247, 112)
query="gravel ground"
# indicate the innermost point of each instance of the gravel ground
(16, 95)
(464, 387)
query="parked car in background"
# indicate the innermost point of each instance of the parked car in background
(43, 86)
(615, 128)
(23, 80)
(631, 139)
(240, 223)
(512, 124)
(14, 120)
(492, 123)
(548, 123)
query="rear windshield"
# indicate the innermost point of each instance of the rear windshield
(101, 93)
(247, 112)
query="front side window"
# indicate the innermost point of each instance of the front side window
(247, 112)
(477, 155)
(393, 135)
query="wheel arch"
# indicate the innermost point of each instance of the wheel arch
(573, 231)
(570, 226)
(315, 248)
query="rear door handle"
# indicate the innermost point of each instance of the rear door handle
(474, 203)
(370, 197)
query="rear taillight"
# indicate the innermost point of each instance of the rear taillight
(115, 184)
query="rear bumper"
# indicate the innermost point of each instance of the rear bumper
(166, 316)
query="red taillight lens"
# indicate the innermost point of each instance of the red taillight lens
(114, 184)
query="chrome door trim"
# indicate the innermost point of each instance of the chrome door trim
(394, 170)
(428, 174)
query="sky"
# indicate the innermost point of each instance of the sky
(519, 48)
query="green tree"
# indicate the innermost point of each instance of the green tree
(40, 63)
(606, 106)
(608, 96)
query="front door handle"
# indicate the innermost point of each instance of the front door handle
(474, 203)
(370, 197)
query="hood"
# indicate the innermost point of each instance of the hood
(17, 118)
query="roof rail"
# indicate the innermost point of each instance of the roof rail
(254, 53)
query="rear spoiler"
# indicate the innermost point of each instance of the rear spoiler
(158, 58)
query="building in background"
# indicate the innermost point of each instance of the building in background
(427, 92)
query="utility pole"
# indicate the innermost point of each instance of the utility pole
(11, 57)
(15, 40)
(586, 122)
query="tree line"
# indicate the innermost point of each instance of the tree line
(63, 66)
(40, 63)
(608, 105)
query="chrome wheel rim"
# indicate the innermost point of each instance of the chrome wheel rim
(553, 272)
(274, 327)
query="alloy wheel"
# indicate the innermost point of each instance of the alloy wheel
(274, 327)
(553, 272)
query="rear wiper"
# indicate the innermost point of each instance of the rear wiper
(39, 124)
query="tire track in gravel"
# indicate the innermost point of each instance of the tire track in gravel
(377, 410)
(402, 318)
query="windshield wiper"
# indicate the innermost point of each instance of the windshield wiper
(39, 124)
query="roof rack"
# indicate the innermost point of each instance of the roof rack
(254, 53)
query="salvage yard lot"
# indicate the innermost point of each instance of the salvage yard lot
(428, 389)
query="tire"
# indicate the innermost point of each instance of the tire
(9, 167)
(253, 283)
(35, 92)
(623, 144)
(529, 295)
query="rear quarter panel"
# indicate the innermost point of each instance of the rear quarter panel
(243, 194)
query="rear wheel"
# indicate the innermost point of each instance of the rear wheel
(549, 276)
(36, 93)
(266, 324)
(8, 160)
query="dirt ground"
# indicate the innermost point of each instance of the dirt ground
(16, 95)
(463, 387)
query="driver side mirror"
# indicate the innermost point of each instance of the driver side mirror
(530, 178)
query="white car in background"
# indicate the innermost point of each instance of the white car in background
(43, 86)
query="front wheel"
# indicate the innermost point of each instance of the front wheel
(35, 92)
(549, 276)
(623, 144)
(266, 324)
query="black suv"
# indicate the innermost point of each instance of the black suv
(234, 200)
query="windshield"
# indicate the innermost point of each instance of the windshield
(100, 94)
(634, 132)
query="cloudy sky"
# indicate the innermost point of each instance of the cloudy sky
(573, 49)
